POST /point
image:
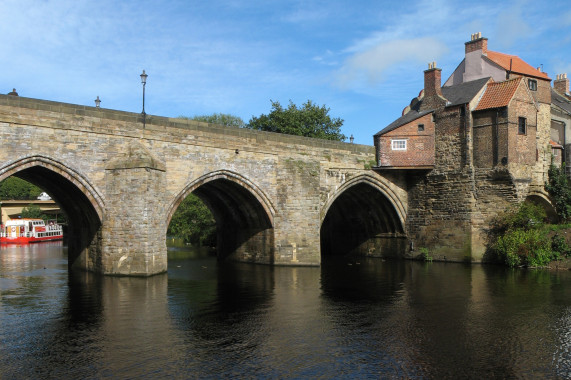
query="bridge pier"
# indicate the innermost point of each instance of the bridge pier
(133, 234)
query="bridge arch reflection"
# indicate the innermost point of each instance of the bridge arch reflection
(244, 215)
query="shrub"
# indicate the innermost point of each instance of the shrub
(425, 254)
(559, 245)
(559, 188)
(520, 247)
(525, 216)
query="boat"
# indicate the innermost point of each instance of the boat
(25, 231)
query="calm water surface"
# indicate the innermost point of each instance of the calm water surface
(365, 318)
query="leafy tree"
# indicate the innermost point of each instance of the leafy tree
(310, 120)
(559, 188)
(193, 222)
(33, 211)
(218, 118)
(13, 188)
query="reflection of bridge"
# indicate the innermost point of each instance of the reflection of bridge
(273, 196)
(13, 208)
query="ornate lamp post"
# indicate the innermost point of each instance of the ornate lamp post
(144, 82)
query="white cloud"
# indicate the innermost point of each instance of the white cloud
(511, 27)
(370, 65)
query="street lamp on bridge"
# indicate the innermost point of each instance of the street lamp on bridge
(144, 82)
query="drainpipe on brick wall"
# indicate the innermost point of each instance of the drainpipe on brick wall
(496, 143)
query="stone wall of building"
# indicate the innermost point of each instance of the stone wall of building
(441, 201)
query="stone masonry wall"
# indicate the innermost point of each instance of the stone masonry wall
(440, 202)
(136, 176)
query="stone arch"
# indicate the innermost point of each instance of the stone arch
(542, 199)
(74, 176)
(244, 215)
(375, 182)
(364, 217)
(81, 201)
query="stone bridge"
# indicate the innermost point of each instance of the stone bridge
(277, 199)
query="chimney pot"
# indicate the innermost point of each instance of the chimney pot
(432, 80)
(561, 84)
(477, 42)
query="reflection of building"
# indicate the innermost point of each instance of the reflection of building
(13, 209)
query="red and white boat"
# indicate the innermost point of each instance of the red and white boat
(24, 231)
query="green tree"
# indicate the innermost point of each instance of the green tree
(559, 188)
(13, 188)
(310, 120)
(218, 118)
(193, 222)
(33, 211)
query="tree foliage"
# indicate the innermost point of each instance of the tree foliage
(33, 211)
(218, 118)
(517, 237)
(13, 188)
(309, 120)
(559, 188)
(193, 222)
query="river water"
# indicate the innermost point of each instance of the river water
(345, 319)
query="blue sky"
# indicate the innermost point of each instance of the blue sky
(362, 59)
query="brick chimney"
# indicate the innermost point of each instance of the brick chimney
(561, 84)
(433, 97)
(477, 42)
(432, 80)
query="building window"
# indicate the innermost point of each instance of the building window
(532, 83)
(398, 144)
(421, 127)
(521, 126)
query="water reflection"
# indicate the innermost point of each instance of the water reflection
(348, 318)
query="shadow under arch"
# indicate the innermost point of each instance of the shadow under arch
(82, 203)
(543, 200)
(244, 215)
(363, 218)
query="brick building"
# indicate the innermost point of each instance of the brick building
(472, 146)
(561, 121)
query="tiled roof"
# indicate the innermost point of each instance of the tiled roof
(464, 92)
(455, 95)
(560, 101)
(515, 64)
(498, 94)
(407, 118)
(555, 145)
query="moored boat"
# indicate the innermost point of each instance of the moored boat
(24, 231)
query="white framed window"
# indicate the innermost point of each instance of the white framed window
(398, 144)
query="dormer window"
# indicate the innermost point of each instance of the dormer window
(421, 127)
(532, 84)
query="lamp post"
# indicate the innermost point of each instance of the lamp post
(144, 82)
